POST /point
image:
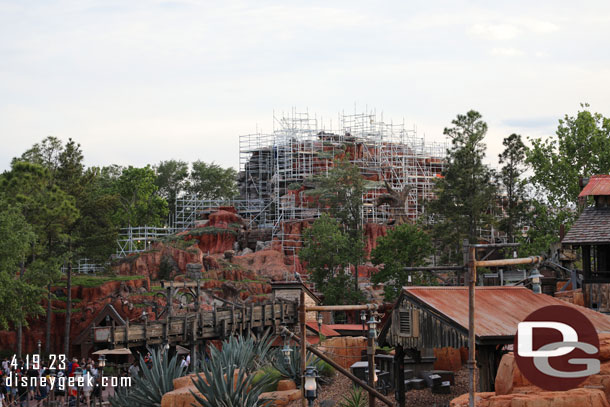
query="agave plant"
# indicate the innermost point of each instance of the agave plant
(291, 368)
(226, 379)
(148, 389)
(355, 398)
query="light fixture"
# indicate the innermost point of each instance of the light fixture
(286, 350)
(39, 344)
(363, 316)
(102, 361)
(372, 323)
(311, 384)
(144, 315)
(320, 319)
(535, 279)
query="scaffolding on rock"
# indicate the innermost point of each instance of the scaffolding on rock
(278, 168)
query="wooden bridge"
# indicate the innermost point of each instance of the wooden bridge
(196, 327)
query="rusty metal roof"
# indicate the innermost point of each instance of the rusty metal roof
(498, 310)
(325, 330)
(591, 227)
(597, 185)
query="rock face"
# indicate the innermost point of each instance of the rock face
(344, 350)
(571, 398)
(149, 263)
(572, 296)
(513, 389)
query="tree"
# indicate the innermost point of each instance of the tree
(326, 251)
(211, 181)
(172, 180)
(466, 192)
(404, 246)
(18, 298)
(50, 212)
(139, 202)
(515, 205)
(580, 148)
(341, 190)
(46, 153)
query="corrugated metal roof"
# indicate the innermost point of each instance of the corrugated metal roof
(324, 329)
(597, 185)
(592, 227)
(498, 310)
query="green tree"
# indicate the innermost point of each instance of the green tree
(139, 202)
(211, 181)
(580, 148)
(510, 177)
(326, 251)
(172, 180)
(340, 191)
(467, 191)
(18, 298)
(404, 246)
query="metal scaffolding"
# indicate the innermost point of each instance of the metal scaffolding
(275, 168)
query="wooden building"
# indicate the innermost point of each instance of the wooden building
(591, 233)
(436, 317)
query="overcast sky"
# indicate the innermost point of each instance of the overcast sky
(140, 81)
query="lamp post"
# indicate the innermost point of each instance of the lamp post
(311, 385)
(363, 319)
(101, 363)
(39, 344)
(535, 278)
(370, 351)
(320, 321)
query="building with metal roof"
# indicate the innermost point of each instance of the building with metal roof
(436, 317)
(591, 233)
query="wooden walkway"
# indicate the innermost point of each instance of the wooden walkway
(196, 327)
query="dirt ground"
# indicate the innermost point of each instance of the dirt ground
(341, 385)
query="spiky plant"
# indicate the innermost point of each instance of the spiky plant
(227, 379)
(148, 389)
(291, 369)
(355, 398)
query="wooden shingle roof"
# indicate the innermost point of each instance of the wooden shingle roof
(591, 227)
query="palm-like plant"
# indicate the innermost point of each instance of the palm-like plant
(291, 368)
(355, 398)
(148, 389)
(226, 379)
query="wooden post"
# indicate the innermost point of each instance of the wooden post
(399, 375)
(302, 323)
(370, 353)
(472, 278)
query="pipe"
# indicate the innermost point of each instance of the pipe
(342, 370)
(509, 262)
(365, 307)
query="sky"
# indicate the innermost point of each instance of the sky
(137, 82)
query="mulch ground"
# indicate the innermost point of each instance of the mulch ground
(341, 385)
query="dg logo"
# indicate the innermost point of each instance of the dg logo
(556, 348)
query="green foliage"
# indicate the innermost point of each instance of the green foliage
(172, 180)
(544, 223)
(270, 374)
(291, 369)
(211, 181)
(515, 204)
(139, 202)
(466, 192)
(325, 369)
(327, 251)
(404, 246)
(355, 398)
(148, 389)
(580, 148)
(227, 378)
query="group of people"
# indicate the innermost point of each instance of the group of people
(14, 391)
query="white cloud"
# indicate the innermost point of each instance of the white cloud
(496, 31)
(507, 52)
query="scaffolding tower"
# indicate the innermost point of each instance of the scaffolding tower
(275, 168)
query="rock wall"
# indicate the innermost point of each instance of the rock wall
(513, 389)
(344, 350)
